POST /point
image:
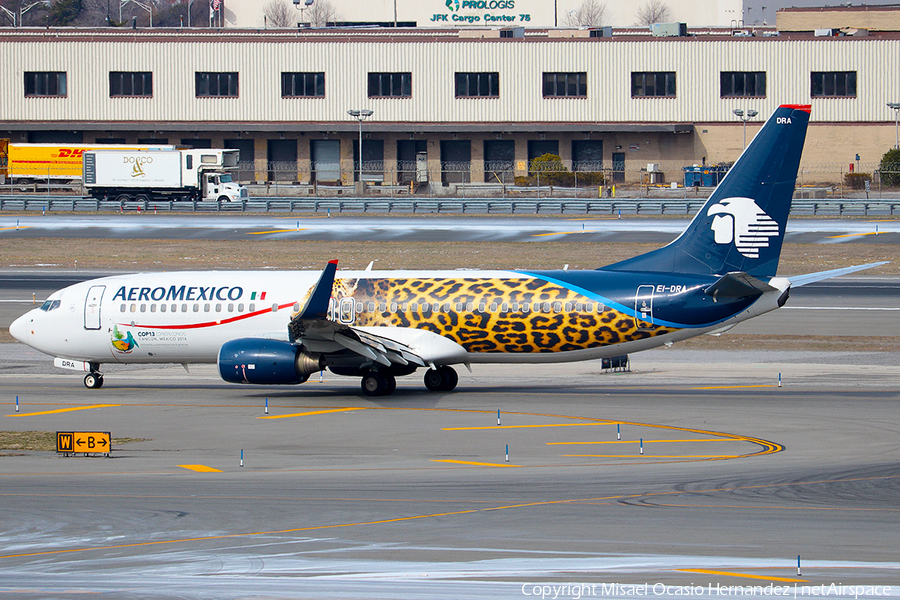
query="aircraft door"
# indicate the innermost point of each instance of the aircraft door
(92, 307)
(643, 307)
(346, 310)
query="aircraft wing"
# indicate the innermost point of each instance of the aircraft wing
(312, 328)
(801, 280)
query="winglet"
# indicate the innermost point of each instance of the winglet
(317, 305)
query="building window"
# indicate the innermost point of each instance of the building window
(653, 84)
(130, 84)
(565, 85)
(216, 85)
(477, 85)
(742, 84)
(45, 83)
(303, 85)
(833, 84)
(390, 85)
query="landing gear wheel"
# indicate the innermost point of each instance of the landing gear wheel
(93, 381)
(374, 384)
(442, 379)
(391, 384)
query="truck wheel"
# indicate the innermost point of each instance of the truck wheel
(142, 198)
(224, 199)
(123, 198)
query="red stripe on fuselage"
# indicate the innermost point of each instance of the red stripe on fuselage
(208, 323)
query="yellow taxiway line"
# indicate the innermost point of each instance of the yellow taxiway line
(200, 468)
(734, 387)
(63, 410)
(315, 412)
(524, 426)
(562, 233)
(477, 464)
(636, 441)
(275, 231)
(748, 576)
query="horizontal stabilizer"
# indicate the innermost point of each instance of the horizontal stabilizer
(738, 285)
(801, 280)
(317, 305)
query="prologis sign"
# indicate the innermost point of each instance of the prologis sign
(480, 12)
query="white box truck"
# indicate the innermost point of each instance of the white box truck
(163, 175)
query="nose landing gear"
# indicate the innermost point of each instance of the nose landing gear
(94, 379)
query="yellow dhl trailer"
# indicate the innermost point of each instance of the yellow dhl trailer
(24, 163)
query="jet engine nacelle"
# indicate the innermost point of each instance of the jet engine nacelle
(266, 362)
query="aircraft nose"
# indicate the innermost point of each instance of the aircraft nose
(19, 328)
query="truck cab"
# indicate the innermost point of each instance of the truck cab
(221, 186)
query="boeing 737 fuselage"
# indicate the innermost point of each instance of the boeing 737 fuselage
(281, 327)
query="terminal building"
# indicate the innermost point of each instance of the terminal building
(470, 104)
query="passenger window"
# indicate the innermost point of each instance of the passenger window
(446, 307)
(589, 307)
(469, 307)
(196, 308)
(515, 306)
(568, 307)
(546, 307)
(557, 307)
(184, 308)
(526, 307)
(162, 308)
(370, 307)
(436, 307)
(493, 307)
(275, 307)
(153, 308)
(579, 306)
(481, 307)
(206, 308)
(404, 306)
(240, 307)
(504, 307)
(359, 307)
(231, 308)
(426, 307)
(459, 307)
(393, 307)
(134, 308)
(383, 307)
(218, 308)
(252, 307)
(143, 308)
(122, 308)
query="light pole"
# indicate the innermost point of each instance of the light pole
(745, 116)
(147, 7)
(16, 17)
(360, 115)
(896, 107)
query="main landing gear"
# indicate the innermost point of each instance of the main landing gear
(441, 379)
(94, 379)
(378, 383)
(383, 383)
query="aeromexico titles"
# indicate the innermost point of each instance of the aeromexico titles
(281, 327)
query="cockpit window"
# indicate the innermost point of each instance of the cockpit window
(49, 305)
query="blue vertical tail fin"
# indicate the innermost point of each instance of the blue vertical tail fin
(741, 227)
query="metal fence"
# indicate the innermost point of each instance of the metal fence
(499, 179)
(431, 206)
